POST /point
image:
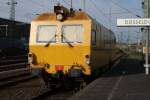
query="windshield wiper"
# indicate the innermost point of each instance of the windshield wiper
(50, 41)
(67, 41)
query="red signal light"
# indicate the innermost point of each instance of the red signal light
(59, 67)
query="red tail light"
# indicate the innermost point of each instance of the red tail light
(59, 67)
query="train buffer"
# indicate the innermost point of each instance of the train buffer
(126, 81)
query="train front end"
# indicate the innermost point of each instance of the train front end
(60, 46)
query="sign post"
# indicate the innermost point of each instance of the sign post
(138, 22)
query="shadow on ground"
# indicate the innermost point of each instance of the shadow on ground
(126, 66)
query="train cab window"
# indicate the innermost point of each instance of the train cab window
(72, 33)
(46, 33)
(93, 37)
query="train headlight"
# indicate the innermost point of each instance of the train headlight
(59, 17)
(87, 59)
(30, 58)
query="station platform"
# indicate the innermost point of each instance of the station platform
(126, 81)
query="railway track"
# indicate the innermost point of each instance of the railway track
(40, 91)
(8, 60)
(14, 69)
(15, 80)
(59, 93)
(13, 73)
(32, 89)
(11, 66)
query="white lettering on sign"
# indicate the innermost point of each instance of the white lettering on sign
(133, 22)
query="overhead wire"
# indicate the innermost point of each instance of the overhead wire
(43, 6)
(4, 10)
(115, 3)
(38, 4)
(117, 13)
(68, 4)
(100, 11)
(98, 8)
(128, 11)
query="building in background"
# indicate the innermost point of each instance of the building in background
(14, 37)
(14, 29)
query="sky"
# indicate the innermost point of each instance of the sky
(105, 12)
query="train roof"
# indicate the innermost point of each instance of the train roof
(78, 15)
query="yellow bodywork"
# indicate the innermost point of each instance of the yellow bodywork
(62, 54)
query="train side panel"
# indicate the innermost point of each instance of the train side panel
(101, 46)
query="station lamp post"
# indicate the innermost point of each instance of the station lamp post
(147, 6)
(147, 50)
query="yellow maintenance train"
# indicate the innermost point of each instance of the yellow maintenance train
(69, 44)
